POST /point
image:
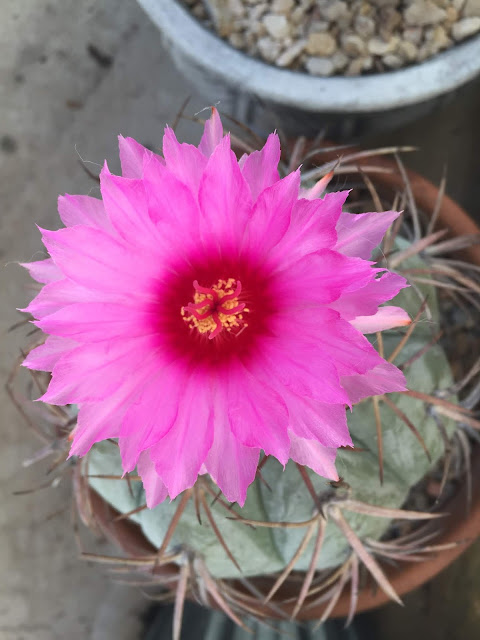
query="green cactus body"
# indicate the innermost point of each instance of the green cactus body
(265, 550)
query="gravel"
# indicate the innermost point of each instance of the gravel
(332, 37)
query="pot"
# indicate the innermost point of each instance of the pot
(345, 108)
(457, 527)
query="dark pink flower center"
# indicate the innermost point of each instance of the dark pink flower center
(216, 308)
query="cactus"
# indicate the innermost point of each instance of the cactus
(281, 495)
(294, 520)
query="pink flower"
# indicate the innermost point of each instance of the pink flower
(202, 311)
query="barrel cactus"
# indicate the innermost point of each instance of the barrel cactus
(296, 538)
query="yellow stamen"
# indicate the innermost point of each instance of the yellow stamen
(216, 308)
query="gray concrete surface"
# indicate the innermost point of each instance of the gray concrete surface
(60, 99)
(72, 76)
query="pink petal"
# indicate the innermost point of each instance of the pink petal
(224, 198)
(179, 455)
(257, 413)
(132, 155)
(385, 318)
(313, 420)
(260, 167)
(155, 491)
(232, 465)
(92, 372)
(97, 321)
(126, 205)
(271, 213)
(101, 420)
(324, 334)
(96, 422)
(94, 259)
(184, 161)
(318, 188)
(298, 366)
(43, 271)
(319, 278)
(56, 295)
(359, 234)
(312, 226)
(312, 454)
(170, 200)
(84, 210)
(384, 378)
(150, 417)
(44, 357)
(212, 134)
(365, 301)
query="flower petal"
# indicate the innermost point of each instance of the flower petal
(257, 413)
(94, 259)
(126, 205)
(360, 233)
(132, 156)
(224, 198)
(365, 301)
(92, 372)
(232, 465)
(101, 420)
(212, 134)
(43, 271)
(319, 278)
(155, 490)
(259, 168)
(56, 295)
(179, 455)
(151, 416)
(99, 321)
(184, 161)
(302, 368)
(313, 420)
(84, 210)
(384, 378)
(312, 454)
(170, 201)
(385, 318)
(271, 214)
(44, 357)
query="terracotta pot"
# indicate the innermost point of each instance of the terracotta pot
(457, 527)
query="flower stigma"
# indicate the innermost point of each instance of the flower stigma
(216, 308)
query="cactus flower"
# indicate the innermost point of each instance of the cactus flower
(205, 310)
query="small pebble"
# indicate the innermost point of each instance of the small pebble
(291, 53)
(422, 12)
(353, 45)
(282, 6)
(408, 50)
(465, 28)
(378, 47)
(351, 37)
(471, 9)
(320, 66)
(321, 44)
(393, 61)
(340, 60)
(269, 49)
(364, 26)
(277, 26)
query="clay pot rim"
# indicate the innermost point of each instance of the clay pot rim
(456, 527)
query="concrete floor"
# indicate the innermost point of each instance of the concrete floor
(72, 76)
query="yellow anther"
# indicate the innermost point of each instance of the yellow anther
(216, 308)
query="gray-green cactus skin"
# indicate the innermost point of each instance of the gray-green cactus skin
(267, 550)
